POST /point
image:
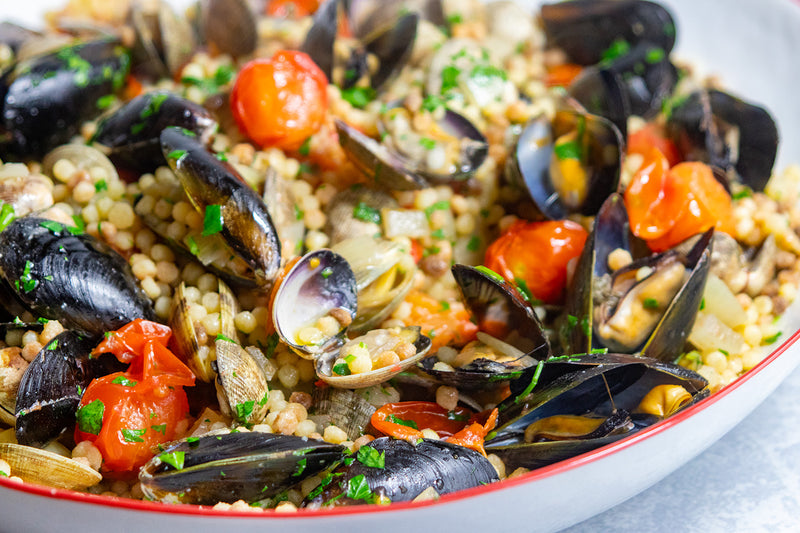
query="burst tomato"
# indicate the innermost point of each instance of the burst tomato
(280, 101)
(535, 255)
(127, 414)
(294, 9)
(668, 205)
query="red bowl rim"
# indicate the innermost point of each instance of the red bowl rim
(538, 474)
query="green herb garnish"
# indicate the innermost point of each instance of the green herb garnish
(90, 417)
(212, 223)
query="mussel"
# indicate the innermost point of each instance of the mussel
(130, 135)
(231, 207)
(586, 29)
(248, 466)
(163, 40)
(47, 97)
(512, 340)
(648, 306)
(720, 129)
(52, 386)
(402, 472)
(62, 274)
(228, 26)
(569, 165)
(573, 404)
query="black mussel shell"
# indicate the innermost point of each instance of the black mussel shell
(699, 126)
(130, 135)
(46, 98)
(408, 470)
(52, 386)
(246, 223)
(585, 29)
(247, 466)
(601, 148)
(75, 279)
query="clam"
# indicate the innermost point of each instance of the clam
(82, 157)
(511, 337)
(586, 29)
(348, 410)
(384, 276)
(569, 165)
(403, 346)
(248, 466)
(356, 212)
(61, 274)
(314, 303)
(130, 135)
(41, 467)
(722, 130)
(231, 207)
(573, 404)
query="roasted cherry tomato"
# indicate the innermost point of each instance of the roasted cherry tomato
(293, 9)
(562, 75)
(667, 206)
(443, 322)
(280, 101)
(128, 414)
(406, 420)
(534, 255)
(652, 136)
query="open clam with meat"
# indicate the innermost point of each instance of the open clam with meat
(337, 253)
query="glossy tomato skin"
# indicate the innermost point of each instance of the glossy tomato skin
(280, 101)
(293, 9)
(156, 410)
(668, 205)
(537, 253)
(141, 407)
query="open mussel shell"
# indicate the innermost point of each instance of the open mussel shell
(636, 83)
(408, 470)
(41, 467)
(228, 26)
(585, 29)
(376, 341)
(320, 285)
(412, 149)
(243, 218)
(384, 276)
(500, 312)
(75, 279)
(720, 129)
(605, 387)
(164, 42)
(130, 135)
(569, 165)
(228, 467)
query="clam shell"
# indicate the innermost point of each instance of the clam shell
(46, 468)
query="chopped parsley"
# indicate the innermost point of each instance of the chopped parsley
(90, 417)
(744, 192)
(28, 282)
(174, 459)
(524, 290)
(568, 150)
(104, 102)
(450, 75)
(427, 143)
(177, 154)
(7, 215)
(442, 205)
(366, 213)
(650, 303)
(192, 244)
(244, 409)
(341, 369)
(654, 55)
(305, 148)
(160, 428)
(53, 344)
(358, 489)
(326, 272)
(212, 222)
(133, 435)
(486, 271)
(452, 415)
(52, 225)
(473, 244)
(221, 156)
(534, 380)
(301, 466)
(101, 186)
(122, 380)
(772, 338)
(408, 423)
(616, 49)
(444, 305)
(371, 457)
(431, 103)
(221, 337)
(358, 97)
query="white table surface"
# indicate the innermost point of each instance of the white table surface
(748, 481)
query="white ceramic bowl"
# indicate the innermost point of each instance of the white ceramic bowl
(752, 45)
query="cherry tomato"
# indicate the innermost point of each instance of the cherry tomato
(667, 206)
(562, 75)
(535, 254)
(293, 9)
(128, 414)
(406, 420)
(280, 101)
(443, 322)
(652, 136)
